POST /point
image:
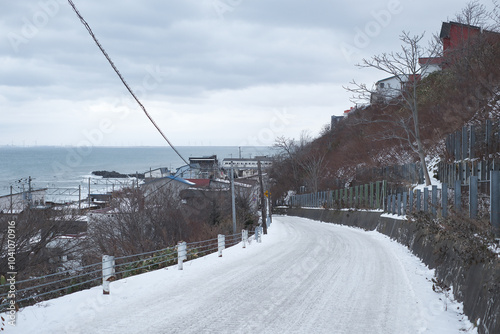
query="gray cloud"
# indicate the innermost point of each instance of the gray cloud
(190, 59)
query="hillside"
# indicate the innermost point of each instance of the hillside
(464, 91)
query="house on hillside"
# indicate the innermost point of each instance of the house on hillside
(335, 120)
(429, 65)
(387, 89)
(453, 35)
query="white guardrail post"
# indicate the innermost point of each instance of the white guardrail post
(244, 237)
(181, 254)
(222, 243)
(108, 272)
(258, 234)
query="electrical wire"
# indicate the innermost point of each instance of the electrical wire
(87, 26)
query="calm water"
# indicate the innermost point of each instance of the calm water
(54, 167)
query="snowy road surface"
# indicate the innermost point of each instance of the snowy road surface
(305, 277)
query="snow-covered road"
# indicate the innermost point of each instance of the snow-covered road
(305, 277)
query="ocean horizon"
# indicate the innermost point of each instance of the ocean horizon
(71, 166)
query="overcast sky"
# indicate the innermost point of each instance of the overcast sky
(210, 72)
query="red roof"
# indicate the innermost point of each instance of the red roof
(430, 61)
(200, 182)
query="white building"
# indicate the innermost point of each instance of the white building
(387, 89)
(247, 166)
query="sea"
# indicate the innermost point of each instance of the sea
(65, 169)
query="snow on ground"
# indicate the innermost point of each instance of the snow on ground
(394, 216)
(305, 277)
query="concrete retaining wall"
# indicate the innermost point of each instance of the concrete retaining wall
(475, 278)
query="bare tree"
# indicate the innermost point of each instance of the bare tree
(43, 237)
(473, 14)
(407, 68)
(304, 158)
(135, 224)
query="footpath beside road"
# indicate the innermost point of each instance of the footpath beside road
(305, 277)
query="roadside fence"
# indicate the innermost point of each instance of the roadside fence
(33, 290)
(367, 196)
(472, 142)
(468, 199)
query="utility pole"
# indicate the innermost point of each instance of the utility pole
(262, 200)
(89, 194)
(11, 197)
(30, 202)
(233, 205)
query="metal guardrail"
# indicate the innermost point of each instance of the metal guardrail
(33, 290)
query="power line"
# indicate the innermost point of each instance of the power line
(87, 26)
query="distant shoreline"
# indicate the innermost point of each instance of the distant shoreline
(111, 146)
